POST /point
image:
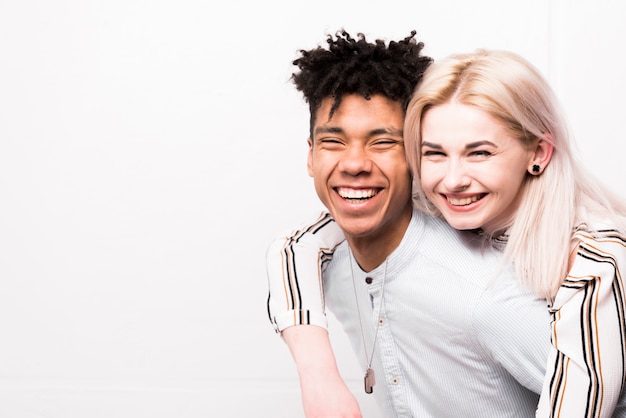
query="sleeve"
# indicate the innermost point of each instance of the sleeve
(586, 365)
(295, 263)
(513, 326)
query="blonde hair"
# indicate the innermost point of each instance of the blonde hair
(511, 89)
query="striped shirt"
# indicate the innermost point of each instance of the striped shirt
(294, 269)
(587, 362)
(457, 336)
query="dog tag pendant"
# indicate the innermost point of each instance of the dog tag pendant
(370, 380)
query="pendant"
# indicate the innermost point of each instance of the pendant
(370, 380)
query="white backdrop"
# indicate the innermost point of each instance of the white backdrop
(149, 152)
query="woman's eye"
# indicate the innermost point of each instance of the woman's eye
(481, 153)
(432, 153)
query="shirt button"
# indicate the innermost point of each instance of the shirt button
(395, 380)
(369, 280)
(381, 320)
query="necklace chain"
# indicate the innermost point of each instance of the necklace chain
(369, 372)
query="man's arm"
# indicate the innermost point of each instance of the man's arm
(295, 263)
(324, 393)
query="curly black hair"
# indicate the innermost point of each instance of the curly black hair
(351, 66)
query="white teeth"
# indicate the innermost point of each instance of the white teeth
(356, 193)
(464, 201)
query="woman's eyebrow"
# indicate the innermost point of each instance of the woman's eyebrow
(431, 145)
(477, 144)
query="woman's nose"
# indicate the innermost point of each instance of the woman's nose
(456, 179)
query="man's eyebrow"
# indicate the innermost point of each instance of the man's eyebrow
(387, 131)
(373, 132)
(327, 130)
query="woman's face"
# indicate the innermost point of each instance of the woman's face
(472, 169)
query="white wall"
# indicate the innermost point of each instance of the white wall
(150, 150)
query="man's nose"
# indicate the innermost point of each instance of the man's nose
(355, 160)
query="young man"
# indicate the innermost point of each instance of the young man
(441, 328)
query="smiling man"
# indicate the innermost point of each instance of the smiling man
(357, 162)
(439, 327)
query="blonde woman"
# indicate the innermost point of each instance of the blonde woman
(490, 148)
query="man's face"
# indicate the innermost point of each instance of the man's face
(359, 168)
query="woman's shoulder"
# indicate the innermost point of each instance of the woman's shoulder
(599, 261)
(600, 232)
(600, 251)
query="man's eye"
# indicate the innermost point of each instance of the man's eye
(331, 144)
(329, 141)
(384, 143)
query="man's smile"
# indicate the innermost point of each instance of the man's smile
(356, 194)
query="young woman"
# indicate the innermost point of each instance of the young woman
(489, 146)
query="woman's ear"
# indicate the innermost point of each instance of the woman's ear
(541, 156)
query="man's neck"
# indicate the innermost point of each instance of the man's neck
(372, 250)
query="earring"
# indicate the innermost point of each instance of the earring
(536, 168)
